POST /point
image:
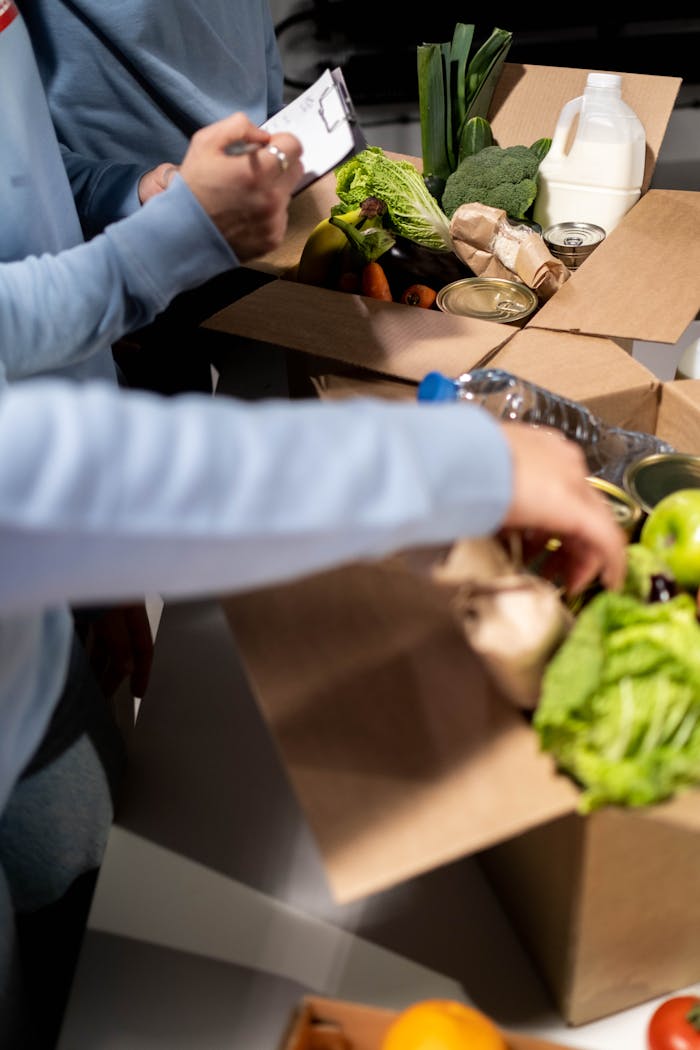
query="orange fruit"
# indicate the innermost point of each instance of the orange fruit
(442, 1024)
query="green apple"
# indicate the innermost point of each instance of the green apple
(672, 530)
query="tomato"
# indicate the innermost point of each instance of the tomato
(442, 1024)
(675, 1024)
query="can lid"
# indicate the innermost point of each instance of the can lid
(488, 298)
(575, 237)
(626, 510)
(651, 478)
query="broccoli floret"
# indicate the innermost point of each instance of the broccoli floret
(500, 176)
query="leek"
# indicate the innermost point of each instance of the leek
(452, 88)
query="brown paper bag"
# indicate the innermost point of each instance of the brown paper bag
(492, 246)
(513, 619)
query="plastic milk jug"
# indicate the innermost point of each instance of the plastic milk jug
(598, 176)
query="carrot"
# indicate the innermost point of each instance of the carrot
(374, 282)
(419, 295)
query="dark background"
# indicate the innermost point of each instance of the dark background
(380, 39)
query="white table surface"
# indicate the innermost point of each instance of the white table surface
(212, 916)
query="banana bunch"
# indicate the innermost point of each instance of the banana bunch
(339, 245)
(322, 249)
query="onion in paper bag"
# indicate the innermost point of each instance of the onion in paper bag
(511, 618)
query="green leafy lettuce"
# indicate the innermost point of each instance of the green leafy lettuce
(412, 211)
(620, 704)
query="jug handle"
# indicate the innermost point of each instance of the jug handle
(561, 133)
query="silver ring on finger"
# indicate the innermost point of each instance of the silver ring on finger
(280, 155)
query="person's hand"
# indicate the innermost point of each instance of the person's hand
(553, 500)
(155, 181)
(119, 645)
(247, 196)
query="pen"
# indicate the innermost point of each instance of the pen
(239, 148)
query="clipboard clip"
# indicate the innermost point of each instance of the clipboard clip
(335, 93)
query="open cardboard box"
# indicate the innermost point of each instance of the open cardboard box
(403, 754)
(336, 1024)
(639, 284)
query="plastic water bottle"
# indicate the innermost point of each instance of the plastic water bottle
(608, 449)
(600, 177)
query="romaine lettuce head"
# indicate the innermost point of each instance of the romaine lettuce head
(620, 703)
(411, 209)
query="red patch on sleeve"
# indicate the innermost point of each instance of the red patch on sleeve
(8, 13)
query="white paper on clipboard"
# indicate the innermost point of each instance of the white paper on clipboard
(323, 119)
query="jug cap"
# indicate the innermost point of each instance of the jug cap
(604, 80)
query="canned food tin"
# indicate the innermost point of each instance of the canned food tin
(649, 479)
(573, 242)
(488, 298)
(626, 510)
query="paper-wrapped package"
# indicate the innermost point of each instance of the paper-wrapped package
(512, 618)
(493, 246)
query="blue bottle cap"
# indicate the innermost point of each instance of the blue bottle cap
(437, 387)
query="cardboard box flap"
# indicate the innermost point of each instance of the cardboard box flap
(679, 415)
(571, 365)
(387, 338)
(528, 100)
(361, 1027)
(401, 753)
(639, 283)
(683, 811)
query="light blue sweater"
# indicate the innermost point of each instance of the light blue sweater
(106, 495)
(129, 82)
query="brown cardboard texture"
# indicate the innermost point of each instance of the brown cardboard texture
(679, 415)
(333, 387)
(567, 364)
(641, 282)
(572, 366)
(337, 1024)
(640, 288)
(400, 751)
(605, 905)
(528, 99)
(386, 338)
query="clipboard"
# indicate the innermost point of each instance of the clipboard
(324, 120)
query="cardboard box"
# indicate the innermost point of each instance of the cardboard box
(639, 284)
(678, 414)
(402, 753)
(336, 1024)
(404, 757)
(567, 364)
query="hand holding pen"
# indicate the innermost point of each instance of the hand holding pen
(240, 148)
(244, 178)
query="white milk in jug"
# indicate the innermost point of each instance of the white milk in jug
(599, 177)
